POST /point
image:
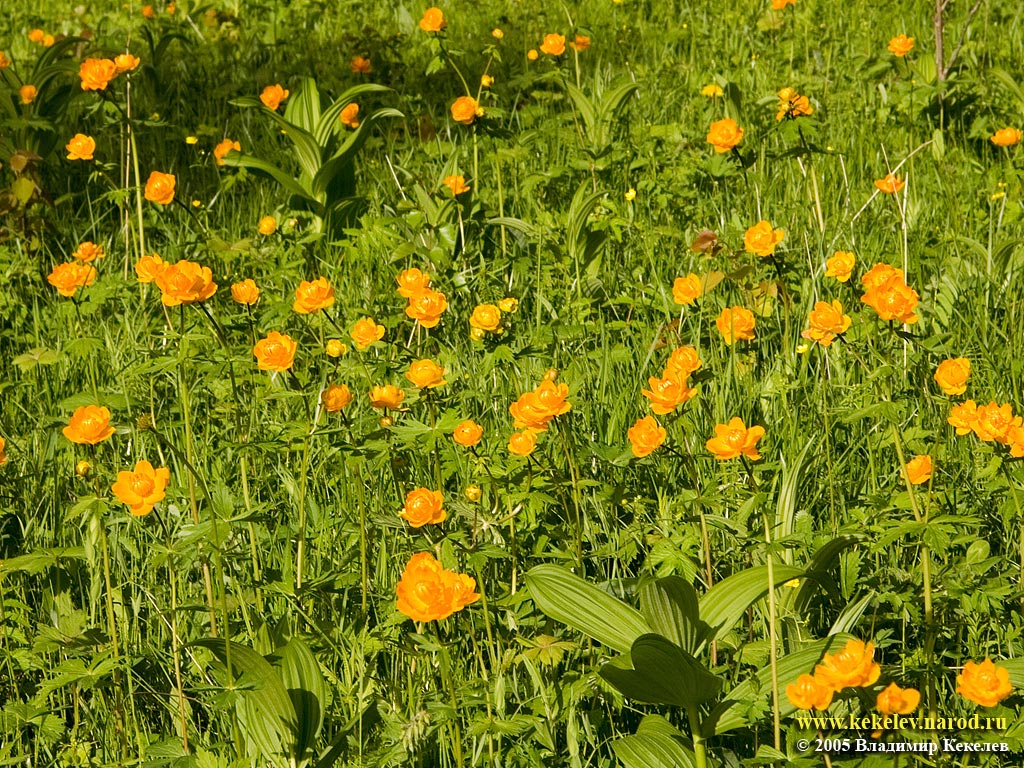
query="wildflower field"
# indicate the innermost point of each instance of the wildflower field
(616, 383)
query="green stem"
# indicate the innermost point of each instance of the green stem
(700, 752)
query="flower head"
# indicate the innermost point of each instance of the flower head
(336, 397)
(712, 91)
(465, 110)
(275, 352)
(88, 251)
(245, 292)
(724, 135)
(580, 43)
(125, 62)
(89, 425)
(897, 701)
(963, 417)
(430, 592)
(412, 282)
(427, 307)
(553, 45)
(646, 436)
(386, 396)
(149, 267)
(68, 278)
(185, 282)
(223, 148)
(901, 45)
(350, 116)
(468, 433)
(919, 470)
(366, 332)
(160, 188)
(840, 266)
(761, 239)
(808, 692)
(522, 443)
(535, 410)
(312, 296)
(736, 323)
(486, 317)
(361, 65)
(27, 93)
(682, 362)
(735, 439)
(985, 684)
(425, 374)
(96, 74)
(267, 226)
(81, 147)
(890, 185)
(995, 423)
(889, 295)
(273, 95)
(335, 348)
(686, 290)
(667, 394)
(1006, 137)
(792, 105)
(952, 375)
(852, 667)
(826, 321)
(433, 20)
(141, 488)
(457, 184)
(423, 506)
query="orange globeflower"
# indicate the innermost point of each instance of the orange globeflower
(149, 267)
(778, 5)
(245, 292)
(808, 692)
(897, 701)
(1006, 137)
(88, 251)
(553, 45)
(985, 684)
(995, 423)
(361, 65)
(901, 45)
(952, 375)
(734, 439)
(125, 62)
(336, 397)
(160, 188)
(468, 434)
(840, 266)
(412, 282)
(735, 324)
(646, 436)
(962, 417)
(430, 592)
(826, 321)
(423, 506)
(185, 283)
(522, 443)
(148, 12)
(580, 43)
(4, 61)
(761, 239)
(465, 110)
(273, 95)
(667, 394)
(81, 147)
(96, 74)
(386, 396)
(892, 298)
(68, 278)
(275, 352)
(27, 93)
(223, 148)
(724, 135)
(36, 36)
(433, 20)
(141, 488)
(891, 184)
(919, 470)
(267, 226)
(427, 307)
(425, 374)
(792, 105)
(350, 115)
(686, 290)
(89, 425)
(366, 332)
(852, 667)
(457, 184)
(486, 317)
(3, 456)
(879, 275)
(532, 54)
(313, 295)
(682, 362)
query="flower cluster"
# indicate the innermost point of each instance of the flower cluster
(888, 294)
(992, 423)
(430, 592)
(425, 304)
(852, 667)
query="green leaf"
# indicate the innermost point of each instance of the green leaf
(37, 356)
(569, 599)
(656, 744)
(671, 607)
(724, 604)
(41, 559)
(301, 675)
(303, 109)
(242, 160)
(817, 570)
(662, 673)
(329, 120)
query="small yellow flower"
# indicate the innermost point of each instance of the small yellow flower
(497, 34)
(191, 140)
(630, 194)
(336, 348)
(532, 54)
(712, 90)
(486, 81)
(508, 305)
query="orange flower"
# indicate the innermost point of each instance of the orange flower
(386, 396)
(425, 374)
(995, 422)
(1005, 137)
(27, 93)
(313, 295)
(96, 74)
(736, 323)
(852, 667)
(897, 701)
(826, 321)
(534, 410)
(366, 332)
(681, 363)
(68, 278)
(985, 684)
(141, 488)
(245, 292)
(645, 436)
(952, 375)
(465, 110)
(686, 290)
(891, 184)
(36, 36)
(427, 307)
(879, 275)
(522, 443)
(149, 267)
(724, 135)
(88, 251)
(792, 105)
(412, 282)
(429, 592)
(336, 397)
(423, 506)
(3, 456)
(553, 45)
(360, 65)
(335, 348)
(275, 352)
(81, 147)
(350, 115)
(267, 226)
(1017, 442)
(734, 439)
(808, 692)
(468, 434)
(962, 417)
(148, 12)
(761, 239)
(457, 184)
(4, 61)
(185, 283)
(840, 266)
(89, 425)
(889, 295)
(580, 43)
(901, 45)
(273, 95)
(532, 54)
(125, 62)
(160, 188)
(919, 470)
(223, 148)
(433, 20)
(667, 394)
(778, 5)
(486, 317)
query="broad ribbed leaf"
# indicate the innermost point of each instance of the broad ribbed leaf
(656, 744)
(670, 606)
(724, 604)
(346, 153)
(569, 599)
(303, 108)
(301, 675)
(242, 160)
(662, 673)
